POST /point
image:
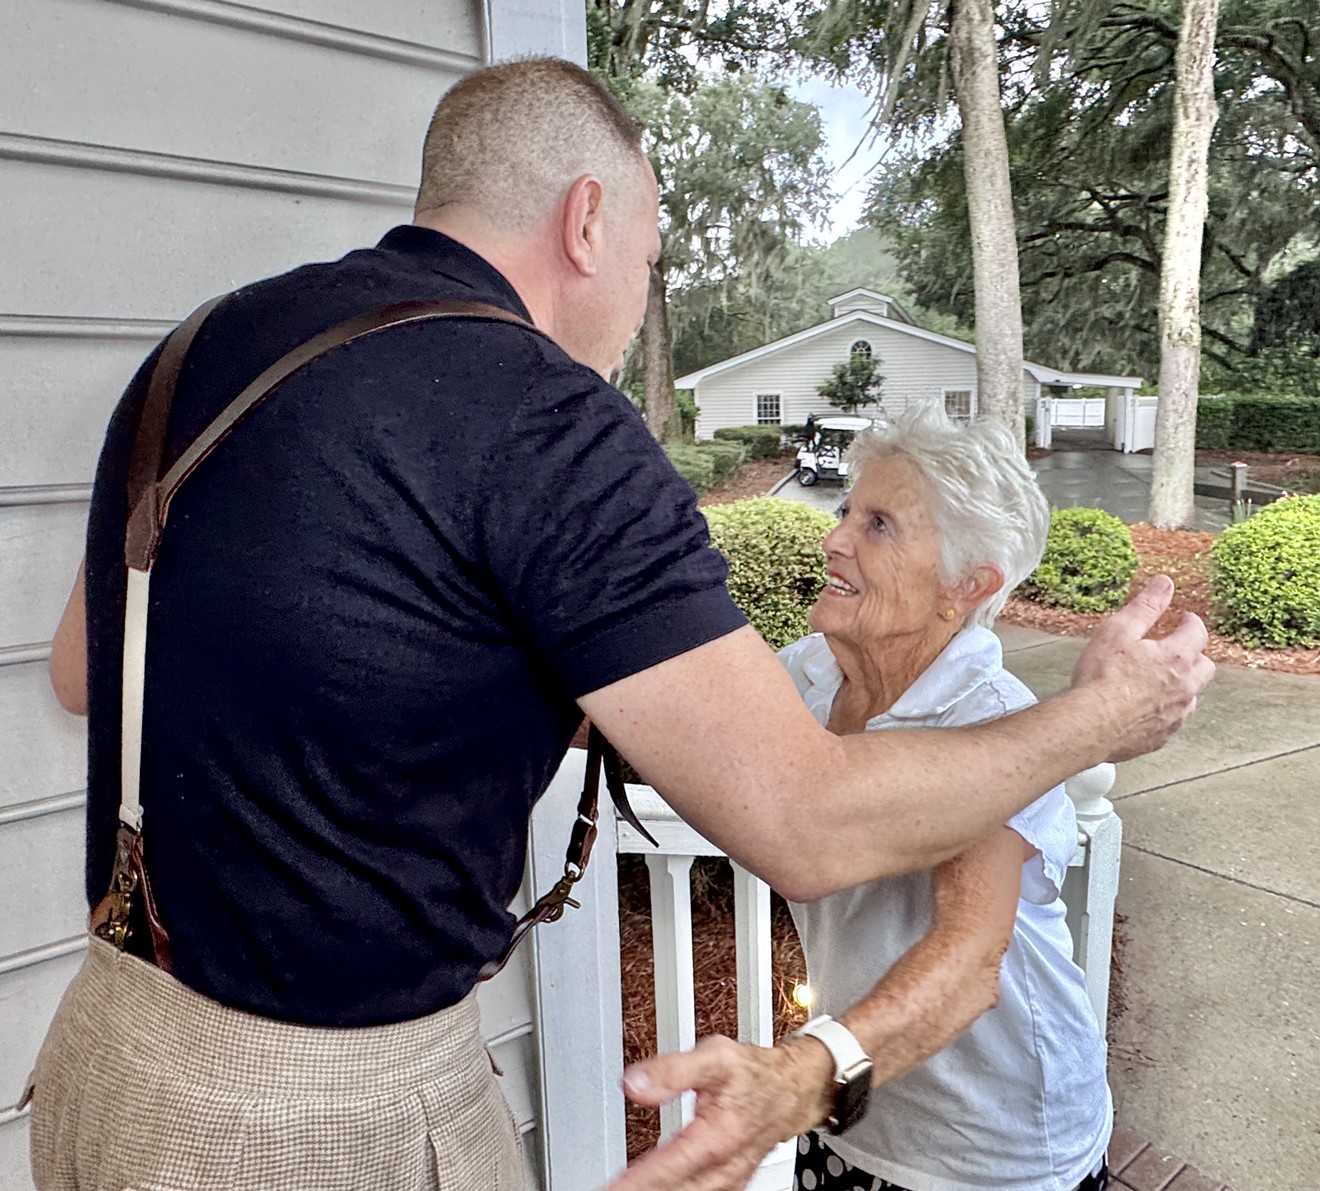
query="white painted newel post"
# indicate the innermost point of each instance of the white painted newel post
(1092, 883)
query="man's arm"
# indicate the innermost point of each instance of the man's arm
(68, 651)
(721, 732)
(751, 1097)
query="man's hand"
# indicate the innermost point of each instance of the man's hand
(1151, 686)
(748, 1099)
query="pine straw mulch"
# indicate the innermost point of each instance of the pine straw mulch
(1294, 473)
(1183, 555)
(755, 478)
(714, 953)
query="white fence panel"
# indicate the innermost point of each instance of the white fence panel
(1090, 889)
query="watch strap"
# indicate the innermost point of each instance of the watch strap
(852, 1070)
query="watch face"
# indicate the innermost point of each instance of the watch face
(852, 1093)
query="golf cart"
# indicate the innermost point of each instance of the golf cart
(821, 456)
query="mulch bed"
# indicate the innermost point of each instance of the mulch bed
(1183, 555)
(754, 478)
(1296, 473)
(714, 960)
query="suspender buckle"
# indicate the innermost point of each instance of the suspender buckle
(110, 918)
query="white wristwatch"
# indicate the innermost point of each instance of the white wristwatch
(852, 1070)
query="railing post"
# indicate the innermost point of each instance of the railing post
(751, 925)
(675, 986)
(1090, 891)
(578, 997)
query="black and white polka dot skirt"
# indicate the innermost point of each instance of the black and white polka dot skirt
(820, 1169)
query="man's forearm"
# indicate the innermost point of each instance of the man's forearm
(723, 734)
(914, 798)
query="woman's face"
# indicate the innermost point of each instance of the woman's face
(883, 561)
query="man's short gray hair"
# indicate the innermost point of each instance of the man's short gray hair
(509, 140)
(987, 505)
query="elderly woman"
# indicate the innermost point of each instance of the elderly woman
(941, 523)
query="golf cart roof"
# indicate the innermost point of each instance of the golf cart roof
(844, 423)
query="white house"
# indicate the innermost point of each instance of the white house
(777, 383)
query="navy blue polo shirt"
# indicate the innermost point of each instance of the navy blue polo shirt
(373, 609)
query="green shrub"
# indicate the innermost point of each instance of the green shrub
(776, 564)
(693, 464)
(1214, 422)
(762, 442)
(1265, 581)
(706, 464)
(1089, 562)
(1258, 422)
(1275, 424)
(725, 457)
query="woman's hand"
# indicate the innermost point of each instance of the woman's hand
(748, 1099)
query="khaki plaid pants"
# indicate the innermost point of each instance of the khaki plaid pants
(144, 1085)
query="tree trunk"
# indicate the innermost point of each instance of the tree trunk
(975, 61)
(658, 364)
(1194, 115)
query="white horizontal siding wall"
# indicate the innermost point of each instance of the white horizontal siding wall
(153, 153)
(914, 368)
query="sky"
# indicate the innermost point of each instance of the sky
(844, 111)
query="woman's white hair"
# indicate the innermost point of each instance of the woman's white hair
(986, 503)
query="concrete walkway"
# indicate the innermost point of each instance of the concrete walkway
(1216, 1057)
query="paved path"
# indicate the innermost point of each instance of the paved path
(1117, 483)
(1217, 1055)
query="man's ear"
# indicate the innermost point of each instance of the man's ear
(582, 226)
(977, 586)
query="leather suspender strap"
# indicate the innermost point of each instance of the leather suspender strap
(148, 512)
(149, 496)
(550, 906)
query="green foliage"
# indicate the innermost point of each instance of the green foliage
(1088, 94)
(776, 563)
(713, 320)
(1088, 564)
(855, 382)
(762, 442)
(1257, 423)
(1214, 422)
(687, 412)
(1266, 578)
(705, 465)
(1271, 371)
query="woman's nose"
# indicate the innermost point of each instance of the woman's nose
(836, 541)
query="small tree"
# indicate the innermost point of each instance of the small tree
(858, 382)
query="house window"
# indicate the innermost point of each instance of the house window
(959, 404)
(860, 350)
(767, 409)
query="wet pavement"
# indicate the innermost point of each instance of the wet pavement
(1095, 479)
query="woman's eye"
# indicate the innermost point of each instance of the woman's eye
(879, 524)
(841, 513)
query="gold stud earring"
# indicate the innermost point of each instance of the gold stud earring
(949, 613)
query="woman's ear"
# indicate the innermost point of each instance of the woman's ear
(977, 587)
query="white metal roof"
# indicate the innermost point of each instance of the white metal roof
(1045, 375)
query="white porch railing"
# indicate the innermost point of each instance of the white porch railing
(578, 982)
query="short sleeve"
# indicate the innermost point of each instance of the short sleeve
(593, 539)
(1049, 825)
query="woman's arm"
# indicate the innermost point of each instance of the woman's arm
(751, 1097)
(947, 980)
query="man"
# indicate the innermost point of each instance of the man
(378, 612)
